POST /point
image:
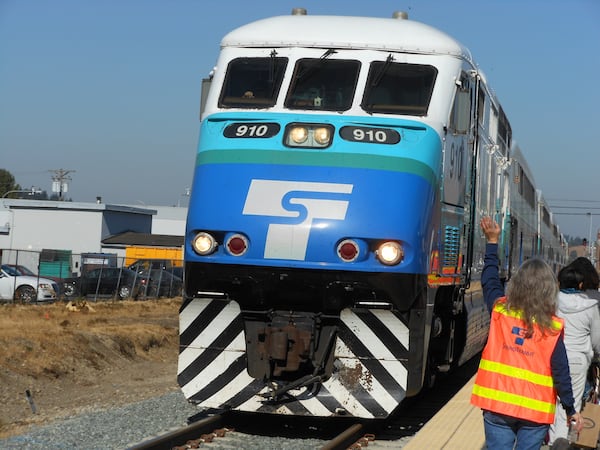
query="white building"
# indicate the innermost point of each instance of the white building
(28, 227)
(169, 220)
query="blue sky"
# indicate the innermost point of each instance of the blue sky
(110, 89)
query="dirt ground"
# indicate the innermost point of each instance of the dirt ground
(86, 356)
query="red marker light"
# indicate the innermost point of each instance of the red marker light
(348, 250)
(237, 245)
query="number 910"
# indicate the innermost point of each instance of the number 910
(369, 135)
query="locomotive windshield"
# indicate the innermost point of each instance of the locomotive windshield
(321, 84)
(252, 82)
(328, 85)
(399, 88)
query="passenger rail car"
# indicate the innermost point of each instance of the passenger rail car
(332, 249)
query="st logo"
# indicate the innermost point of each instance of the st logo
(299, 203)
(521, 335)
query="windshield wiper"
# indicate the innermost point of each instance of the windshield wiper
(379, 75)
(311, 67)
(271, 80)
(328, 53)
(273, 54)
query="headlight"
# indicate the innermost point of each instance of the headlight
(322, 135)
(44, 286)
(390, 253)
(298, 134)
(308, 135)
(204, 244)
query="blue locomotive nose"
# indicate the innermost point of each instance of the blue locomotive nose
(295, 208)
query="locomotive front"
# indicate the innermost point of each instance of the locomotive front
(309, 230)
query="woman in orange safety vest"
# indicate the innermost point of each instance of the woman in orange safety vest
(524, 363)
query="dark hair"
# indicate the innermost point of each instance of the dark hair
(570, 278)
(590, 276)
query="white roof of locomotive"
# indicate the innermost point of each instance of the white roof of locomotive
(397, 35)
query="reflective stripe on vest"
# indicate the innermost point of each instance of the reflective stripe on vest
(514, 400)
(523, 374)
(514, 376)
(500, 307)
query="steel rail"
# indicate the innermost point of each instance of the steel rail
(177, 437)
(345, 438)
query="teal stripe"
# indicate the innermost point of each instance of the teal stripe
(321, 159)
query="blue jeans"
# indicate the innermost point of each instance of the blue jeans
(502, 432)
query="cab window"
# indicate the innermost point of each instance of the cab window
(323, 84)
(399, 88)
(252, 82)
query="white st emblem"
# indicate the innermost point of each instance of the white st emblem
(294, 199)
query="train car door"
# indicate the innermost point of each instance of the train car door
(457, 153)
(458, 162)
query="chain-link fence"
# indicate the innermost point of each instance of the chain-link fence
(51, 275)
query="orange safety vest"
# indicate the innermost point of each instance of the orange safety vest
(514, 376)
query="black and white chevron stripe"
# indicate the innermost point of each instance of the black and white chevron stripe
(370, 366)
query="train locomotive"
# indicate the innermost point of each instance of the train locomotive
(332, 249)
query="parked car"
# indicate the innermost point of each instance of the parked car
(161, 283)
(106, 281)
(167, 265)
(25, 271)
(21, 269)
(25, 288)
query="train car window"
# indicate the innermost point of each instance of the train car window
(481, 106)
(518, 178)
(321, 84)
(504, 132)
(252, 82)
(461, 112)
(527, 189)
(492, 128)
(546, 216)
(460, 116)
(399, 88)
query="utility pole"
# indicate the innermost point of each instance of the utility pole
(591, 246)
(59, 181)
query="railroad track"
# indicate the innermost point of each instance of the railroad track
(182, 436)
(231, 429)
(236, 430)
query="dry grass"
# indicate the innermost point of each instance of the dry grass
(51, 340)
(58, 353)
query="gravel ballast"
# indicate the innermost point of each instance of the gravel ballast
(123, 427)
(115, 428)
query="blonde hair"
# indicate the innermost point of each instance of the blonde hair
(533, 290)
